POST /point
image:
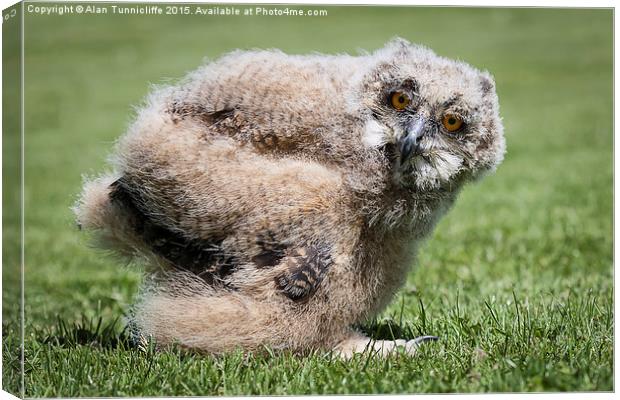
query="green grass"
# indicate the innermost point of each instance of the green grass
(516, 280)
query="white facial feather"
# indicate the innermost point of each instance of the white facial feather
(440, 167)
(447, 164)
(375, 134)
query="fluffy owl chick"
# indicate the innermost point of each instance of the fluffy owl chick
(279, 200)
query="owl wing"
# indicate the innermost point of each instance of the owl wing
(265, 132)
(203, 257)
(304, 268)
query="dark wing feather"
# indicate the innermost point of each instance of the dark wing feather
(205, 258)
(305, 269)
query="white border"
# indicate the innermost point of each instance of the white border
(472, 3)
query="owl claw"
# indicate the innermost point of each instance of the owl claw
(425, 338)
(412, 345)
(384, 348)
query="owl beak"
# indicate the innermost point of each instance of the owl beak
(409, 144)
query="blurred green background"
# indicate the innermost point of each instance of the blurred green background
(517, 279)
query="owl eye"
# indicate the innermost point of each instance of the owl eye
(400, 100)
(452, 123)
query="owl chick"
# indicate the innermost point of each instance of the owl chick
(279, 200)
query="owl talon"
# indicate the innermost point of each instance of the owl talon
(383, 348)
(414, 344)
(426, 338)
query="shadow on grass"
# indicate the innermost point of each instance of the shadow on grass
(94, 332)
(388, 330)
(89, 332)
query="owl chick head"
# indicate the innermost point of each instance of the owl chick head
(437, 119)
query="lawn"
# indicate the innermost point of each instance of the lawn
(517, 280)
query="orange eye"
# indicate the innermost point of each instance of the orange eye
(452, 123)
(400, 100)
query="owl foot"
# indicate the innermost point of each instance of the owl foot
(383, 348)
